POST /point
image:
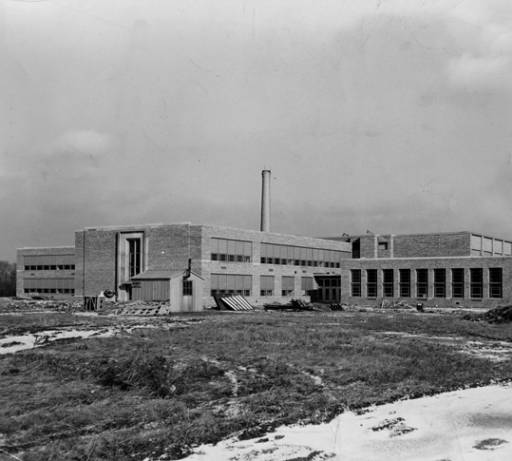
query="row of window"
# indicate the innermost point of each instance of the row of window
(53, 267)
(47, 283)
(227, 250)
(48, 260)
(299, 256)
(233, 284)
(50, 290)
(488, 246)
(476, 285)
(230, 284)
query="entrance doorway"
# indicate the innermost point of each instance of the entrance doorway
(187, 302)
(329, 288)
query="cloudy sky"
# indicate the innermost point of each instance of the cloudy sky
(387, 115)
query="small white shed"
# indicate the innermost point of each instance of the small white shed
(184, 294)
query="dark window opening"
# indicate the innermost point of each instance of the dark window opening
(439, 283)
(495, 282)
(388, 288)
(405, 283)
(458, 283)
(371, 283)
(187, 287)
(134, 256)
(383, 245)
(476, 282)
(356, 249)
(356, 282)
(422, 283)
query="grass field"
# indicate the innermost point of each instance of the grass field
(157, 392)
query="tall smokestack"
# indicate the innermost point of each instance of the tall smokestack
(265, 201)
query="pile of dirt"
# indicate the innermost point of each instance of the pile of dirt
(24, 305)
(501, 314)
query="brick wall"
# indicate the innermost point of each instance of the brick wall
(256, 269)
(95, 261)
(427, 245)
(416, 245)
(165, 247)
(367, 243)
(430, 264)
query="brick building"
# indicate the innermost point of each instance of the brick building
(138, 262)
(186, 265)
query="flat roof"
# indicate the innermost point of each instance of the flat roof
(70, 247)
(214, 226)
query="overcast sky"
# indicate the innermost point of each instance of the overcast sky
(392, 116)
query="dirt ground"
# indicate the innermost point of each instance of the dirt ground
(107, 387)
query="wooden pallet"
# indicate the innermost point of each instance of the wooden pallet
(144, 310)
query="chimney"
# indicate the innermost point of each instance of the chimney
(265, 201)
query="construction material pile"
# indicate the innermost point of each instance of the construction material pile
(500, 314)
(232, 303)
(33, 305)
(299, 305)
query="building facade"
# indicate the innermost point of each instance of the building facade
(142, 262)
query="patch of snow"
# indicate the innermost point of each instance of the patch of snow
(42, 338)
(464, 425)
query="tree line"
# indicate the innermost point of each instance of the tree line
(7, 278)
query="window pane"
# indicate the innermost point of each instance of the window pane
(387, 283)
(422, 283)
(476, 282)
(439, 283)
(371, 285)
(458, 283)
(247, 282)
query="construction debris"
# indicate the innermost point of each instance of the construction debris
(501, 314)
(233, 303)
(294, 305)
(35, 305)
(146, 310)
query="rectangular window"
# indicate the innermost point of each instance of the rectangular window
(388, 288)
(233, 251)
(422, 283)
(458, 283)
(383, 245)
(495, 282)
(356, 249)
(487, 246)
(287, 286)
(187, 287)
(134, 256)
(299, 256)
(476, 282)
(356, 282)
(371, 283)
(405, 283)
(230, 284)
(440, 283)
(306, 285)
(266, 285)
